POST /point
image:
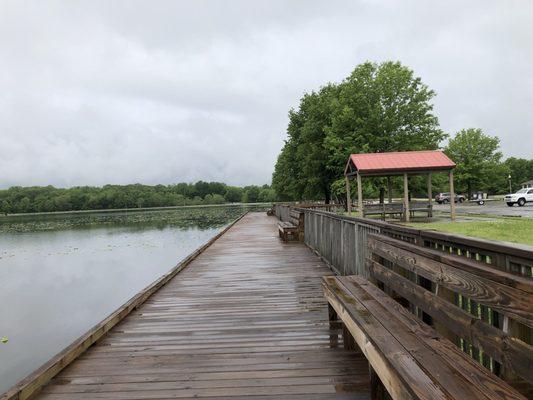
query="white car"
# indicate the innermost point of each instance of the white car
(521, 197)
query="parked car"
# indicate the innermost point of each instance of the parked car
(445, 198)
(521, 197)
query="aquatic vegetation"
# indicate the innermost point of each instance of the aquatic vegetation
(186, 217)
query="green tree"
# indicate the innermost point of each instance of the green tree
(286, 176)
(233, 194)
(5, 207)
(477, 158)
(267, 195)
(251, 194)
(520, 169)
(378, 108)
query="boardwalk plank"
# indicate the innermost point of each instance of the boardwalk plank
(246, 319)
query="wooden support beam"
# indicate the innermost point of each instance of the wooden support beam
(430, 195)
(359, 195)
(348, 196)
(452, 197)
(406, 215)
(430, 190)
(389, 188)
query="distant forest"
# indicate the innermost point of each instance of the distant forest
(48, 198)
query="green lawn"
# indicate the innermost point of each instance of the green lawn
(517, 230)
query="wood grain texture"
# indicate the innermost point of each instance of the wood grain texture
(512, 353)
(411, 359)
(509, 300)
(29, 385)
(246, 319)
(481, 378)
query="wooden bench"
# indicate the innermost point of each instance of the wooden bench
(421, 206)
(292, 229)
(409, 331)
(384, 209)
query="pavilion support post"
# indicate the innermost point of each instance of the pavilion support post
(389, 188)
(430, 196)
(406, 215)
(359, 195)
(452, 197)
(348, 196)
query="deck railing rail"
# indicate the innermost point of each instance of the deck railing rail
(282, 212)
(341, 241)
(330, 234)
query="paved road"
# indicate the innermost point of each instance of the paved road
(493, 208)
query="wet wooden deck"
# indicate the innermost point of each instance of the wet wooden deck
(246, 319)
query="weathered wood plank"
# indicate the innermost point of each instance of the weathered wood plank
(29, 385)
(410, 358)
(508, 300)
(463, 263)
(450, 353)
(401, 375)
(513, 353)
(443, 375)
(246, 318)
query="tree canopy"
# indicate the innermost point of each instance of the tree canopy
(477, 158)
(379, 107)
(520, 169)
(48, 198)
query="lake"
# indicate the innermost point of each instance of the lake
(62, 274)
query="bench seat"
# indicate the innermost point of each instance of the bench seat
(407, 357)
(421, 206)
(398, 209)
(383, 209)
(292, 229)
(287, 231)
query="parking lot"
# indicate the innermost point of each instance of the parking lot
(491, 208)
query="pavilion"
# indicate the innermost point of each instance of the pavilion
(396, 164)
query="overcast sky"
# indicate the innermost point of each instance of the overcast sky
(95, 92)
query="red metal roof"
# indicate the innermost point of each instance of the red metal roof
(401, 161)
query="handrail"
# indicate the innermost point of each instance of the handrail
(505, 256)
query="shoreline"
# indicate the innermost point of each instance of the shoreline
(117, 210)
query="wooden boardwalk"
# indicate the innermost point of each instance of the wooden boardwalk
(246, 319)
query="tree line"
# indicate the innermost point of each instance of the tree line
(381, 108)
(48, 198)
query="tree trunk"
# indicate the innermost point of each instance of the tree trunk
(381, 195)
(327, 195)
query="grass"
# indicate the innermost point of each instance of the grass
(516, 230)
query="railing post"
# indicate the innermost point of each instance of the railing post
(359, 195)
(452, 197)
(348, 196)
(406, 215)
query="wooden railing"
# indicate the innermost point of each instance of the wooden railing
(282, 211)
(342, 242)
(331, 234)
(484, 311)
(339, 241)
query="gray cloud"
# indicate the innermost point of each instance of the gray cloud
(96, 92)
